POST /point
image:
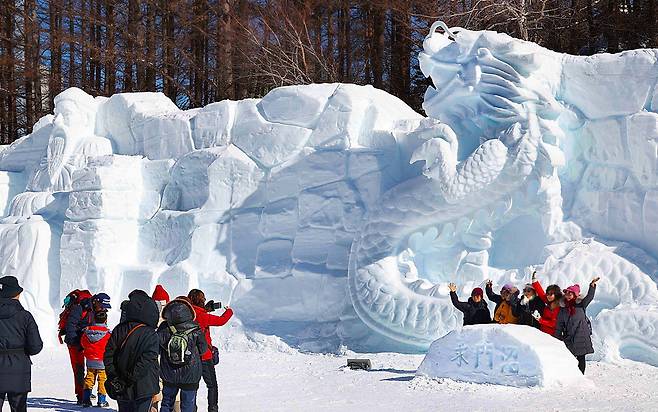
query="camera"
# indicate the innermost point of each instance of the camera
(212, 305)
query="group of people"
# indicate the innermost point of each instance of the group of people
(154, 359)
(559, 313)
(161, 349)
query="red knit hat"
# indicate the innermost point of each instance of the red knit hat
(160, 294)
(477, 292)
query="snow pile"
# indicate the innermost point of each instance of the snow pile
(511, 355)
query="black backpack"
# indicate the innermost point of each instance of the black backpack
(179, 350)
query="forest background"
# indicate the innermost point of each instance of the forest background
(201, 51)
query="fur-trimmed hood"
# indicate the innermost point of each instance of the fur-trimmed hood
(178, 311)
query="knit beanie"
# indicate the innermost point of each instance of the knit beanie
(575, 289)
(477, 292)
(160, 294)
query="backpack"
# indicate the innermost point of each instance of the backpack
(76, 297)
(179, 351)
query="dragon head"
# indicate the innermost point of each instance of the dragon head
(484, 82)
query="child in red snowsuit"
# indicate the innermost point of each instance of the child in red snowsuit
(93, 341)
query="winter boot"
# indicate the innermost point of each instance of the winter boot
(86, 402)
(102, 401)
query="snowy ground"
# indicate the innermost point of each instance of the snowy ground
(276, 381)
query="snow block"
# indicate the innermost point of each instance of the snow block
(25, 153)
(592, 83)
(296, 105)
(642, 131)
(11, 184)
(92, 248)
(353, 112)
(188, 188)
(109, 204)
(111, 172)
(116, 116)
(511, 355)
(233, 181)
(273, 258)
(212, 124)
(280, 219)
(267, 143)
(164, 136)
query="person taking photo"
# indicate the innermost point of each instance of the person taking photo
(210, 357)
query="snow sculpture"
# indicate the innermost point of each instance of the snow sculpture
(30, 236)
(339, 212)
(504, 185)
(71, 141)
(510, 355)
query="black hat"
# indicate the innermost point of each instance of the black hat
(9, 287)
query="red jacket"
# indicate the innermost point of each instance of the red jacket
(206, 320)
(93, 341)
(548, 319)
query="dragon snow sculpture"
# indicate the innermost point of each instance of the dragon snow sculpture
(498, 181)
(335, 205)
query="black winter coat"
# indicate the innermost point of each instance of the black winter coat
(136, 364)
(575, 330)
(76, 322)
(474, 313)
(524, 311)
(19, 339)
(180, 314)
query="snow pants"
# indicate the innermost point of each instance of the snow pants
(94, 375)
(78, 366)
(17, 401)
(210, 378)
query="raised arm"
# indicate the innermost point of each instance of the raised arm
(540, 291)
(491, 295)
(461, 306)
(590, 293)
(213, 320)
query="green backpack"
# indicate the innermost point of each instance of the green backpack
(178, 347)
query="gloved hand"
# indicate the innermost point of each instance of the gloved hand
(536, 315)
(116, 387)
(210, 306)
